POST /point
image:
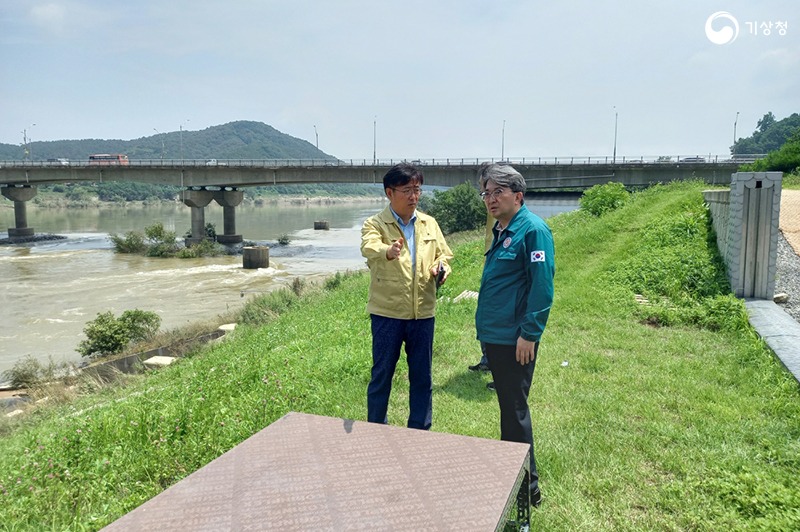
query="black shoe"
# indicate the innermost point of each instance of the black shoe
(490, 386)
(479, 367)
(536, 498)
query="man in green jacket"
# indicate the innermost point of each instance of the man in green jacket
(514, 301)
(405, 252)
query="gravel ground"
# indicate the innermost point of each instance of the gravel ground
(787, 277)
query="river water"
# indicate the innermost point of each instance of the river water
(53, 288)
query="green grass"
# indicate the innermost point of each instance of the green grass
(662, 418)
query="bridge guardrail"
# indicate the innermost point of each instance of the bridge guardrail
(463, 161)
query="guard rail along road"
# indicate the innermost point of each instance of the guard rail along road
(541, 173)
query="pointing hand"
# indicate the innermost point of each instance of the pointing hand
(394, 250)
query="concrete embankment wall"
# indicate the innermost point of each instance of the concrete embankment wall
(746, 220)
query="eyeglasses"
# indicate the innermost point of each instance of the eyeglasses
(410, 191)
(494, 194)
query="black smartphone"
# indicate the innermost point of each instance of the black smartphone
(440, 275)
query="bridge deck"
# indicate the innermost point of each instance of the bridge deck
(307, 472)
(556, 174)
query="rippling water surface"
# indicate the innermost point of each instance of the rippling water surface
(52, 289)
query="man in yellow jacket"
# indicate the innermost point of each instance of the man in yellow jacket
(406, 253)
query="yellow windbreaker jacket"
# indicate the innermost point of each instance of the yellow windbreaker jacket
(395, 291)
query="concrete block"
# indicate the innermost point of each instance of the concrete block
(158, 361)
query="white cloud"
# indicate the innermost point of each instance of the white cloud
(49, 16)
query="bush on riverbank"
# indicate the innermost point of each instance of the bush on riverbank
(676, 427)
(108, 335)
(156, 241)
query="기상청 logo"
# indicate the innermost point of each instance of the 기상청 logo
(727, 33)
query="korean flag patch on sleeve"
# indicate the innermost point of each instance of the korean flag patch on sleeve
(537, 256)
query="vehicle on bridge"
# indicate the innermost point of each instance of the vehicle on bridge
(108, 159)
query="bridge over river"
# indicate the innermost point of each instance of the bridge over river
(202, 181)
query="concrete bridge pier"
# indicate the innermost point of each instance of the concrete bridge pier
(20, 195)
(229, 199)
(197, 200)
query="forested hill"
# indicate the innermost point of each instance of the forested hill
(770, 135)
(235, 140)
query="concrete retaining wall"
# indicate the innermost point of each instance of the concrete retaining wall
(746, 220)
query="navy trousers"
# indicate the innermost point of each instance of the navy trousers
(388, 335)
(512, 382)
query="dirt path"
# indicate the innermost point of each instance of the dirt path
(790, 218)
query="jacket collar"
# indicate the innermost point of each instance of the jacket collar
(387, 216)
(513, 222)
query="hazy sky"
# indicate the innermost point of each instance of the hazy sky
(407, 78)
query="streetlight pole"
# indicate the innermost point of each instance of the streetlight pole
(162, 145)
(734, 129)
(616, 115)
(374, 140)
(316, 135)
(181, 136)
(503, 143)
(26, 142)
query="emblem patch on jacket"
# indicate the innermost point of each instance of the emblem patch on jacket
(537, 256)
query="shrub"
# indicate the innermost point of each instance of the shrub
(785, 159)
(140, 324)
(132, 242)
(107, 335)
(457, 209)
(210, 230)
(284, 239)
(601, 199)
(161, 243)
(204, 248)
(298, 285)
(28, 372)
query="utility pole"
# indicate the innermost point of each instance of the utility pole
(734, 128)
(316, 135)
(374, 140)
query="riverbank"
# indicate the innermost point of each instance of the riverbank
(641, 423)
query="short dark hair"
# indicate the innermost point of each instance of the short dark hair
(402, 174)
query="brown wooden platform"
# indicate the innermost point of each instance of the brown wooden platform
(308, 472)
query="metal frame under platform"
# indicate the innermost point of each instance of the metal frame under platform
(308, 472)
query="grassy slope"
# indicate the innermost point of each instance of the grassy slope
(644, 428)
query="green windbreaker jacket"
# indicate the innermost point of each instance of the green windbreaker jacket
(517, 284)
